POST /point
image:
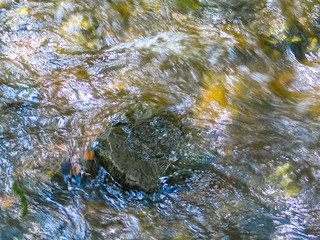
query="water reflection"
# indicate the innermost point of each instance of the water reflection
(228, 66)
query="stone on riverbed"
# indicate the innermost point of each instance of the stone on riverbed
(142, 145)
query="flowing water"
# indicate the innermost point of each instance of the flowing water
(243, 74)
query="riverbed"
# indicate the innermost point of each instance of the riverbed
(242, 74)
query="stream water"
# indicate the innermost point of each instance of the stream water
(243, 74)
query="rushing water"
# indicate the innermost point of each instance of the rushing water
(232, 68)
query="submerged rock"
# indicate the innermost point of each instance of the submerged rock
(297, 38)
(144, 144)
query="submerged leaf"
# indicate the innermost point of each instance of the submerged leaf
(215, 93)
(2, 3)
(23, 11)
(282, 179)
(6, 202)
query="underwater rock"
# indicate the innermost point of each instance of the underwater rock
(144, 144)
(296, 37)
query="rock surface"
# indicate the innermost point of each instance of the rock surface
(145, 143)
(140, 145)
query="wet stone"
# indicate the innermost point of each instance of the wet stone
(142, 145)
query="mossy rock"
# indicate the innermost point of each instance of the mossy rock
(146, 145)
(140, 145)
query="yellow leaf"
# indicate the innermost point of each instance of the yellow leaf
(23, 10)
(313, 45)
(275, 53)
(285, 77)
(281, 170)
(2, 3)
(50, 173)
(295, 39)
(216, 93)
(282, 179)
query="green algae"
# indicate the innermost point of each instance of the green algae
(23, 199)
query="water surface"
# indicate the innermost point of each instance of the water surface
(243, 74)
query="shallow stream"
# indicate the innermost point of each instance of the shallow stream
(244, 74)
